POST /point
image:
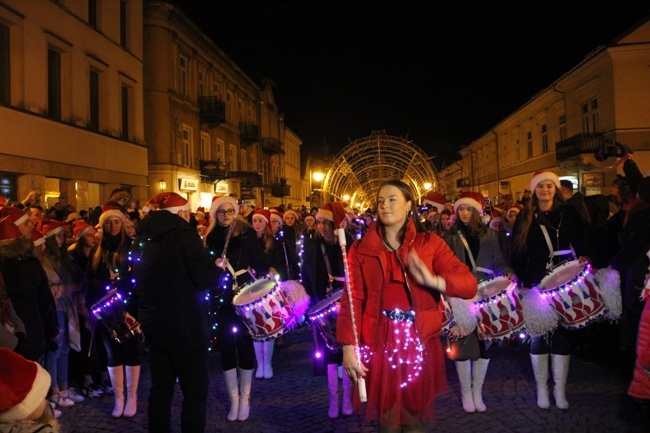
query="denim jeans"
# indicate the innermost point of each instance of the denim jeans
(56, 362)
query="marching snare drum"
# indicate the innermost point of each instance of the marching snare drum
(322, 317)
(264, 309)
(447, 315)
(499, 309)
(111, 312)
(574, 293)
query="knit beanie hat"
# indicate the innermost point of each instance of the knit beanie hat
(23, 386)
(542, 175)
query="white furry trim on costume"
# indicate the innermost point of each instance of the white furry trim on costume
(276, 217)
(469, 202)
(111, 213)
(33, 399)
(177, 209)
(545, 175)
(326, 214)
(221, 200)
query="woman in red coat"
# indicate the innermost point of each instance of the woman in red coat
(397, 273)
(640, 386)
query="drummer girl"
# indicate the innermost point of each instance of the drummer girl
(478, 247)
(323, 274)
(108, 267)
(544, 233)
(397, 272)
(267, 257)
(229, 238)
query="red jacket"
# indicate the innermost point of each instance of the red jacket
(367, 263)
(640, 387)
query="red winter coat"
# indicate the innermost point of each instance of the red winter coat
(640, 387)
(367, 263)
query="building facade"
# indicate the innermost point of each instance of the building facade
(71, 91)
(603, 98)
(211, 130)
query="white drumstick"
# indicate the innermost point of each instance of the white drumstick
(361, 382)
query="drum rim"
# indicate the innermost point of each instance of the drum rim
(500, 278)
(244, 290)
(332, 297)
(559, 268)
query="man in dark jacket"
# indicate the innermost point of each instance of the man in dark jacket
(173, 272)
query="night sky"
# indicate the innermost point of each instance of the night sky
(438, 73)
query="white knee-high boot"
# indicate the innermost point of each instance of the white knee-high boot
(540, 369)
(333, 390)
(560, 367)
(479, 370)
(245, 381)
(347, 407)
(232, 388)
(268, 359)
(132, 379)
(259, 355)
(464, 370)
(117, 380)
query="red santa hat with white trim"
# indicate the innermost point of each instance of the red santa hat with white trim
(542, 175)
(218, 201)
(23, 386)
(276, 215)
(48, 227)
(80, 228)
(333, 211)
(169, 201)
(470, 198)
(436, 199)
(111, 211)
(18, 216)
(291, 211)
(8, 230)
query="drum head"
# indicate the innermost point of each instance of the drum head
(494, 286)
(253, 291)
(561, 275)
(326, 302)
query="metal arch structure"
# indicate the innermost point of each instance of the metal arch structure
(361, 167)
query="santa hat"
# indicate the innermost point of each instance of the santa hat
(169, 201)
(470, 198)
(111, 211)
(80, 228)
(515, 207)
(3, 201)
(72, 216)
(499, 209)
(218, 201)
(202, 223)
(264, 213)
(48, 227)
(23, 386)
(542, 175)
(8, 230)
(309, 218)
(276, 215)
(436, 199)
(495, 220)
(291, 211)
(18, 216)
(334, 212)
(37, 238)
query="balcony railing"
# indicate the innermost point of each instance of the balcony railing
(212, 111)
(577, 145)
(249, 133)
(214, 171)
(271, 145)
(249, 179)
(280, 189)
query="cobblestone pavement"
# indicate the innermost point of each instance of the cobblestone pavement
(296, 401)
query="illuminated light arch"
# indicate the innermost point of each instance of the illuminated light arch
(364, 164)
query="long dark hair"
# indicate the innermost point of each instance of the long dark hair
(526, 217)
(475, 226)
(63, 263)
(412, 215)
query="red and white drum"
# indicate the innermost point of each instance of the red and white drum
(447, 315)
(574, 293)
(111, 311)
(499, 309)
(264, 309)
(322, 317)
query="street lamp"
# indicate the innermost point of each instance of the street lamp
(162, 184)
(318, 176)
(346, 197)
(427, 186)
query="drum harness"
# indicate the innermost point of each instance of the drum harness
(331, 278)
(475, 268)
(549, 264)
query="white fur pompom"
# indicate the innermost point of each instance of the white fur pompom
(539, 315)
(297, 297)
(462, 315)
(609, 282)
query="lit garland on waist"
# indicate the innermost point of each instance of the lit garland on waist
(409, 348)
